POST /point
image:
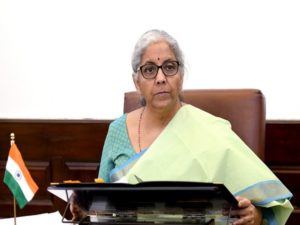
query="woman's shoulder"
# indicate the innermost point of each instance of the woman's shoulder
(126, 119)
(119, 122)
(204, 116)
(133, 118)
(135, 112)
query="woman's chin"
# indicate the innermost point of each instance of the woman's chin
(162, 104)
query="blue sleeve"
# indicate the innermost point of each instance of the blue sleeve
(106, 163)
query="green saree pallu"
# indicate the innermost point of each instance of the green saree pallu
(197, 146)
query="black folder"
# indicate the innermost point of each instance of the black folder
(159, 202)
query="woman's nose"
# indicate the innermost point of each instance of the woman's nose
(160, 77)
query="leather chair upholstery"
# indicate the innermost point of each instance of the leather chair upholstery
(244, 108)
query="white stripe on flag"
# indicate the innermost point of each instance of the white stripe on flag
(18, 175)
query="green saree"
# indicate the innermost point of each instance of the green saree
(196, 146)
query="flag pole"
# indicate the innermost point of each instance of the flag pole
(12, 141)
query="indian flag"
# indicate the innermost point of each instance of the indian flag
(18, 178)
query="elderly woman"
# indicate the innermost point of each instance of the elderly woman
(169, 140)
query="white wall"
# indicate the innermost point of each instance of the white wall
(71, 59)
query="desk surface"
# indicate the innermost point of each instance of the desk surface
(45, 219)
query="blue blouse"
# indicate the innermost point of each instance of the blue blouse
(117, 148)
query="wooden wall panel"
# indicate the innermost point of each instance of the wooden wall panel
(283, 143)
(282, 155)
(82, 171)
(54, 150)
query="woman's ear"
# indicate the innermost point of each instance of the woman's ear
(181, 83)
(136, 82)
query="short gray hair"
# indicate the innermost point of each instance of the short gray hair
(150, 37)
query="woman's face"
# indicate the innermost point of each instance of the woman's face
(161, 91)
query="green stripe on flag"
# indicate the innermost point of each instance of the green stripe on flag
(14, 187)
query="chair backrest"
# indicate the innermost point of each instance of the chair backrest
(244, 108)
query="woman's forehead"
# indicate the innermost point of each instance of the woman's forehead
(158, 52)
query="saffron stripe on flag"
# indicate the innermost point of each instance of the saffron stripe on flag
(15, 154)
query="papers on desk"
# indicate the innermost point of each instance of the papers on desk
(45, 219)
(62, 194)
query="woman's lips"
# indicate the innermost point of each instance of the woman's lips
(162, 94)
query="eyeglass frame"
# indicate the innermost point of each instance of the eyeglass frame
(159, 67)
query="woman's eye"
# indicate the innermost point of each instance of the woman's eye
(149, 69)
(169, 66)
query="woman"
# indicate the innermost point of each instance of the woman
(167, 139)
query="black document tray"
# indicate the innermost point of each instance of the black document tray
(150, 202)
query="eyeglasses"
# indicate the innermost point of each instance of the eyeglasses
(150, 70)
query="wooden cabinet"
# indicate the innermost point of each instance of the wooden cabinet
(282, 155)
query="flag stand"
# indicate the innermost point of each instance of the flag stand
(12, 141)
(15, 212)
